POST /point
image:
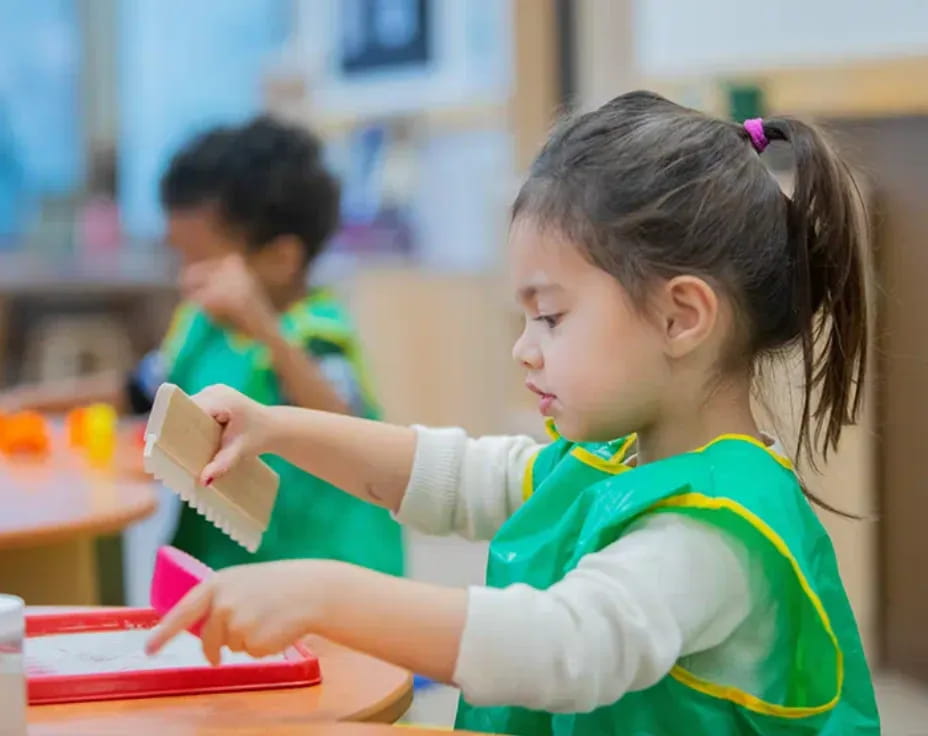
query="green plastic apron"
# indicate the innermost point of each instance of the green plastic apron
(581, 498)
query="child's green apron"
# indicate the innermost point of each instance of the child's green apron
(581, 498)
(311, 517)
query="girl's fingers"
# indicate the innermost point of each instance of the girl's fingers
(215, 402)
(222, 462)
(192, 607)
(235, 642)
(213, 636)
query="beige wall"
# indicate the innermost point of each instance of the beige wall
(438, 346)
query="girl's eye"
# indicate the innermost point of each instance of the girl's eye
(550, 320)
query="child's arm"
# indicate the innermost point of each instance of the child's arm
(436, 480)
(56, 397)
(671, 587)
(465, 486)
(300, 376)
(262, 609)
(370, 460)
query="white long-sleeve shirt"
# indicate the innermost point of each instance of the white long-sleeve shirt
(671, 586)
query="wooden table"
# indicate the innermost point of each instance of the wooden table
(355, 687)
(319, 729)
(51, 511)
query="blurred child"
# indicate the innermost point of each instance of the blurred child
(656, 569)
(249, 209)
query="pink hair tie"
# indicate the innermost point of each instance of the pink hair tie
(755, 129)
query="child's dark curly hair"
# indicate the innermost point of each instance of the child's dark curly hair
(266, 179)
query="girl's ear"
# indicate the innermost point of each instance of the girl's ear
(688, 308)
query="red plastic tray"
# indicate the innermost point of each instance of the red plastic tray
(300, 668)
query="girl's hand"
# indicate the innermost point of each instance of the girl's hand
(246, 428)
(263, 609)
(257, 609)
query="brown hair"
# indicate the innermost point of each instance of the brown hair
(651, 190)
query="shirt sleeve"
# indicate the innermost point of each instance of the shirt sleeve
(465, 486)
(670, 587)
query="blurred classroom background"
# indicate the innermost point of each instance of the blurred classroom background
(431, 111)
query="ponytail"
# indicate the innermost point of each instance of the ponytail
(828, 240)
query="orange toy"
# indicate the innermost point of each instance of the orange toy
(24, 433)
(76, 422)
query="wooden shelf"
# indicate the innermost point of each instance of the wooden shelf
(22, 273)
(858, 89)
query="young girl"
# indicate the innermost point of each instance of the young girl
(671, 581)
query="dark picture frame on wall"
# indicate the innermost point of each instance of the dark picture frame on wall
(384, 35)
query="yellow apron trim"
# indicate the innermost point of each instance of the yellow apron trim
(181, 313)
(178, 327)
(551, 430)
(620, 454)
(528, 478)
(733, 694)
(323, 330)
(240, 342)
(305, 324)
(781, 459)
(612, 465)
(746, 700)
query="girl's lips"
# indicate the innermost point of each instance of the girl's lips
(545, 400)
(545, 403)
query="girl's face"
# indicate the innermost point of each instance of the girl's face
(597, 363)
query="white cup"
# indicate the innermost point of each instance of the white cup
(12, 673)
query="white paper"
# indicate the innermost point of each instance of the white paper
(99, 652)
